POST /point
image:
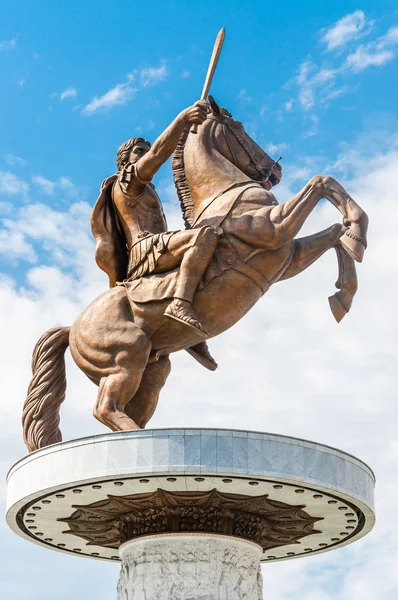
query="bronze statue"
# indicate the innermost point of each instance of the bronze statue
(123, 339)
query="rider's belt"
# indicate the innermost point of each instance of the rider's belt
(257, 277)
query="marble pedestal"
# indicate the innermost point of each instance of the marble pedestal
(190, 565)
(107, 496)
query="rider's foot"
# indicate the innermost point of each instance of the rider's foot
(202, 354)
(182, 311)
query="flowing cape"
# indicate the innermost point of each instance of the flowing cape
(111, 252)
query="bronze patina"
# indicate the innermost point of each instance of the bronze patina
(170, 290)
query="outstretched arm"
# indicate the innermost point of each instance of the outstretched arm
(164, 146)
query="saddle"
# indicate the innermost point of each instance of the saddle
(162, 286)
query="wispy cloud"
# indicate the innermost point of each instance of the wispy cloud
(6, 45)
(185, 74)
(48, 186)
(152, 75)
(374, 54)
(288, 105)
(347, 29)
(319, 84)
(244, 97)
(274, 149)
(12, 185)
(310, 79)
(70, 92)
(12, 160)
(122, 93)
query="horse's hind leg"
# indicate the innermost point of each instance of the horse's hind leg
(117, 389)
(143, 404)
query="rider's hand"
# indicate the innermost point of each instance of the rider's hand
(196, 113)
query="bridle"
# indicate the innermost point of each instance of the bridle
(264, 166)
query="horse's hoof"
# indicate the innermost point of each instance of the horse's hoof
(354, 247)
(337, 308)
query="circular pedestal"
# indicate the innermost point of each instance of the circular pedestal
(289, 496)
(195, 566)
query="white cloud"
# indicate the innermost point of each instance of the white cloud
(12, 185)
(185, 74)
(390, 38)
(374, 54)
(13, 246)
(310, 80)
(152, 75)
(319, 84)
(13, 160)
(364, 57)
(8, 44)
(122, 93)
(70, 92)
(289, 105)
(349, 28)
(48, 187)
(244, 97)
(274, 149)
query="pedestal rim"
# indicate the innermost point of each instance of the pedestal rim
(157, 432)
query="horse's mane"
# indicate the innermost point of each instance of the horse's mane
(180, 180)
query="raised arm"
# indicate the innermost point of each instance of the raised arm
(164, 146)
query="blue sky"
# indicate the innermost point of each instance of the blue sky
(316, 83)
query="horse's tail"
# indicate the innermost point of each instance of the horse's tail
(46, 392)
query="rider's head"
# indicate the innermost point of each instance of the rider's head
(131, 151)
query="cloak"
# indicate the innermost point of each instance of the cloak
(111, 252)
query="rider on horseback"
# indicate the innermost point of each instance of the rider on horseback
(134, 241)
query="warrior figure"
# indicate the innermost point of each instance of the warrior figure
(130, 228)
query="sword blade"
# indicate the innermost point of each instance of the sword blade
(218, 44)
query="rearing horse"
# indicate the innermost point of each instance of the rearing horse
(122, 340)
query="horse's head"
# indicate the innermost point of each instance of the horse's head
(215, 158)
(241, 150)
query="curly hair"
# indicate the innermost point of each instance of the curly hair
(123, 153)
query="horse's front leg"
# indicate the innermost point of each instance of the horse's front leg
(308, 249)
(354, 239)
(288, 218)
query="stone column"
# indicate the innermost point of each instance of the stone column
(190, 566)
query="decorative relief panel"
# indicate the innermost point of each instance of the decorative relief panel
(269, 523)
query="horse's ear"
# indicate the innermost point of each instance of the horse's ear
(215, 109)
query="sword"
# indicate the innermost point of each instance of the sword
(218, 44)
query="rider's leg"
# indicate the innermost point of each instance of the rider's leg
(309, 249)
(195, 262)
(143, 404)
(117, 389)
(192, 250)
